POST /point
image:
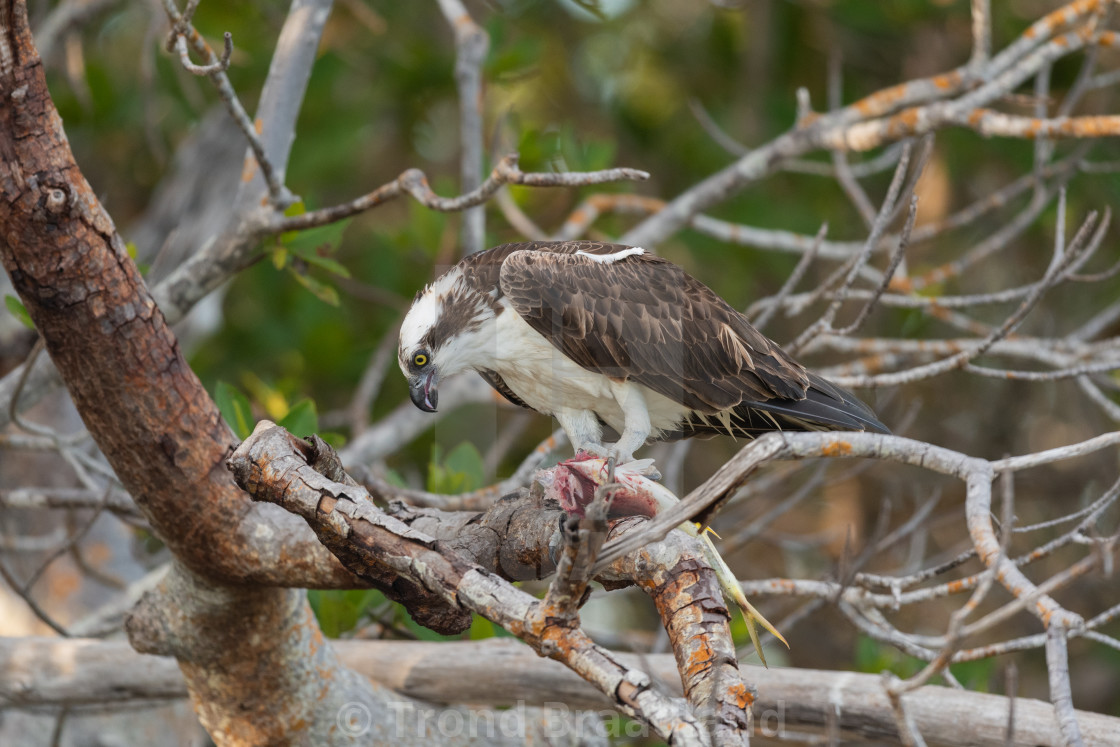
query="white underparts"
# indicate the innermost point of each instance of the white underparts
(581, 427)
(606, 259)
(635, 416)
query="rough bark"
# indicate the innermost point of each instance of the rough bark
(274, 466)
(144, 406)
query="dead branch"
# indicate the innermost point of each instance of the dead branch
(505, 673)
(471, 45)
(413, 182)
(439, 588)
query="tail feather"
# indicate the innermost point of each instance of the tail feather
(825, 407)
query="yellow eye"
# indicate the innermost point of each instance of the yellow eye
(420, 360)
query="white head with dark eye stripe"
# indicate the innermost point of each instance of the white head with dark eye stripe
(442, 335)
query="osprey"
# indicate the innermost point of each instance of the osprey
(598, 334)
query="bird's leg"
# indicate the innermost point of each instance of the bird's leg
(583, 430)
(637, 428)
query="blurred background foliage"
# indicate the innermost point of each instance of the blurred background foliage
(579, 86)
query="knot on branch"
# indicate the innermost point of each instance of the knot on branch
(275, 467)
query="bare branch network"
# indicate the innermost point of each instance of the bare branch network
(446, 557)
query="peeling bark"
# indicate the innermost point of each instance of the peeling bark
(696, 617)
(274, 466)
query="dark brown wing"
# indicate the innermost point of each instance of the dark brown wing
(493, 379)
(642, 318)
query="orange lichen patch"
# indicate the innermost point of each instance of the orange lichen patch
(258, 125)
(808, 119)
(63, 582)
(604, 202)
(1094, 126)
(937, 311)
(581, 215)
(946, 80)
(961, 584)
(1108, 39)
(937, 275)
(903, 123)
(837, 448)
(699, 659)
(901, 284)
(248, 169)
(98, 552)
(880, 101)
(873, 363)
(975, 116)
(744, 698)
(783, 585)
(1062, 17)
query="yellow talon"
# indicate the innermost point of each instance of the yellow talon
(700, 527)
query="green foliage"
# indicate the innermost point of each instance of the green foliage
(459, 472)
(130, 247)
(977, 675)
(18, 310)
(874, 657)
(482, 628)
(235, 408)
(299, 251)
(301, 420)
(338, 611)
(564, 149)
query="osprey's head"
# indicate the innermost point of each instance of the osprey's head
(442, 334)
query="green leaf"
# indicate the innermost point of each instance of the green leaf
(235, 408)
(18, 310)
(279, 257)
(395, 478)
(143, 267)
(316, 244)
(482, 628)
(461, 471)
(874, 657)
(334, 439)
(301, 420)
(329, 264)
(325, 292)
(466, 460)
(338, 611)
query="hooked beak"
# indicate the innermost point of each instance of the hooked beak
(422, 391)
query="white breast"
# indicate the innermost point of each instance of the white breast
(547, 380)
